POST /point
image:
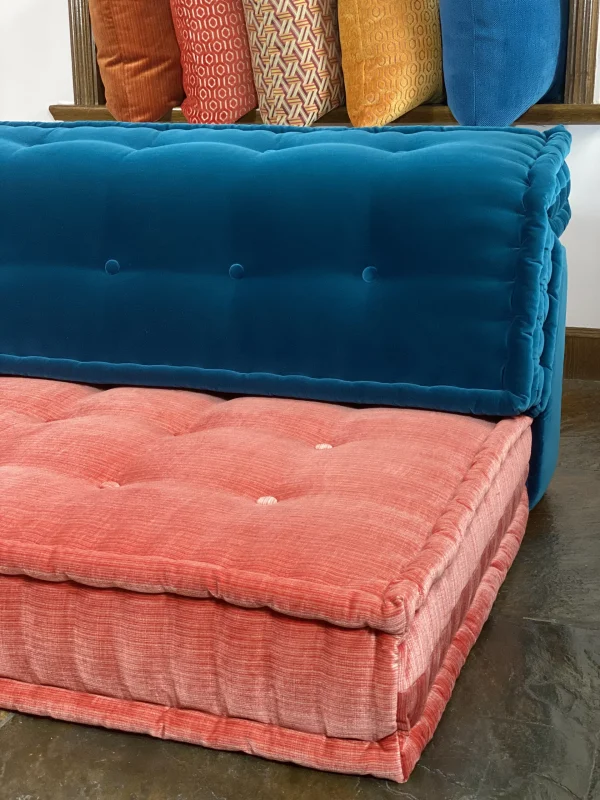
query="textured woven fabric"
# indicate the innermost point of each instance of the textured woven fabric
(437, 501)
(391, 55)
(296, 59)
(138, 58)
(217, 71)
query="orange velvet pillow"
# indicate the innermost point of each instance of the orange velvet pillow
(138, 56)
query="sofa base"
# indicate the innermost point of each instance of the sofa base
(393, 757)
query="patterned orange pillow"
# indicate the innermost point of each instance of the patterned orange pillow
(138, 58)
(392, 57)
(296, 58)
(217, 71)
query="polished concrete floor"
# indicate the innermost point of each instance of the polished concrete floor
(523, 723)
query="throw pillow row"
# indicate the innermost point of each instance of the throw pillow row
(227, 56)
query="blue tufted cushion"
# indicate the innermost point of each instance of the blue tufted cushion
(502, 56)
(411, 267)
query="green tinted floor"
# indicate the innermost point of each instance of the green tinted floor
(523, 723)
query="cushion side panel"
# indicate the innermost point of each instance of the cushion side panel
(393, 757)
(510, 437)
(422, 732)
(200, 655)
(450, 599)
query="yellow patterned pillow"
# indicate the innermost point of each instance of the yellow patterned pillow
(391, 57)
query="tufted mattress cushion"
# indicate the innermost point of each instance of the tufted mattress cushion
(290, 578)
(179, 256)
(426, 260)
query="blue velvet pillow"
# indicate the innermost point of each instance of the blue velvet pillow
(502, 56)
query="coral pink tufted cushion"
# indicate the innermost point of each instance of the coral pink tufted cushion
(295, 579)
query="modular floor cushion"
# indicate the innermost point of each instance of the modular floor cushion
(294, 579)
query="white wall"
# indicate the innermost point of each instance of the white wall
(597, 84)
(35, 71)
(583, 234)
(35, 58)
(582, 237)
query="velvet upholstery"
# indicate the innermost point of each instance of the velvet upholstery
(502, 57)
(175, 553)
(544, 454)
(413, 267)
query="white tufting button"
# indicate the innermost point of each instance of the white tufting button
(323, 446)
(110, 485)
(266, 501)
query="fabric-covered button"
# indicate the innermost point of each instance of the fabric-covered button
(323, 446)
(110, 485)
(236, 271)
(112, 266)
(369, 274)
(266, 501)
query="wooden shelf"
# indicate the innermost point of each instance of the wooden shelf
(550, 114)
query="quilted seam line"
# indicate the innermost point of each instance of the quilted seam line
(405, 596)
(470, 630)
(67, 704)
(556, 287)
(275, 129)
(14, 554)
(543, 189)
(498, 402)
(486, 558)
(387, 611)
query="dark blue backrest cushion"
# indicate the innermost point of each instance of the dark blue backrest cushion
(411, 267)
(502, 56)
